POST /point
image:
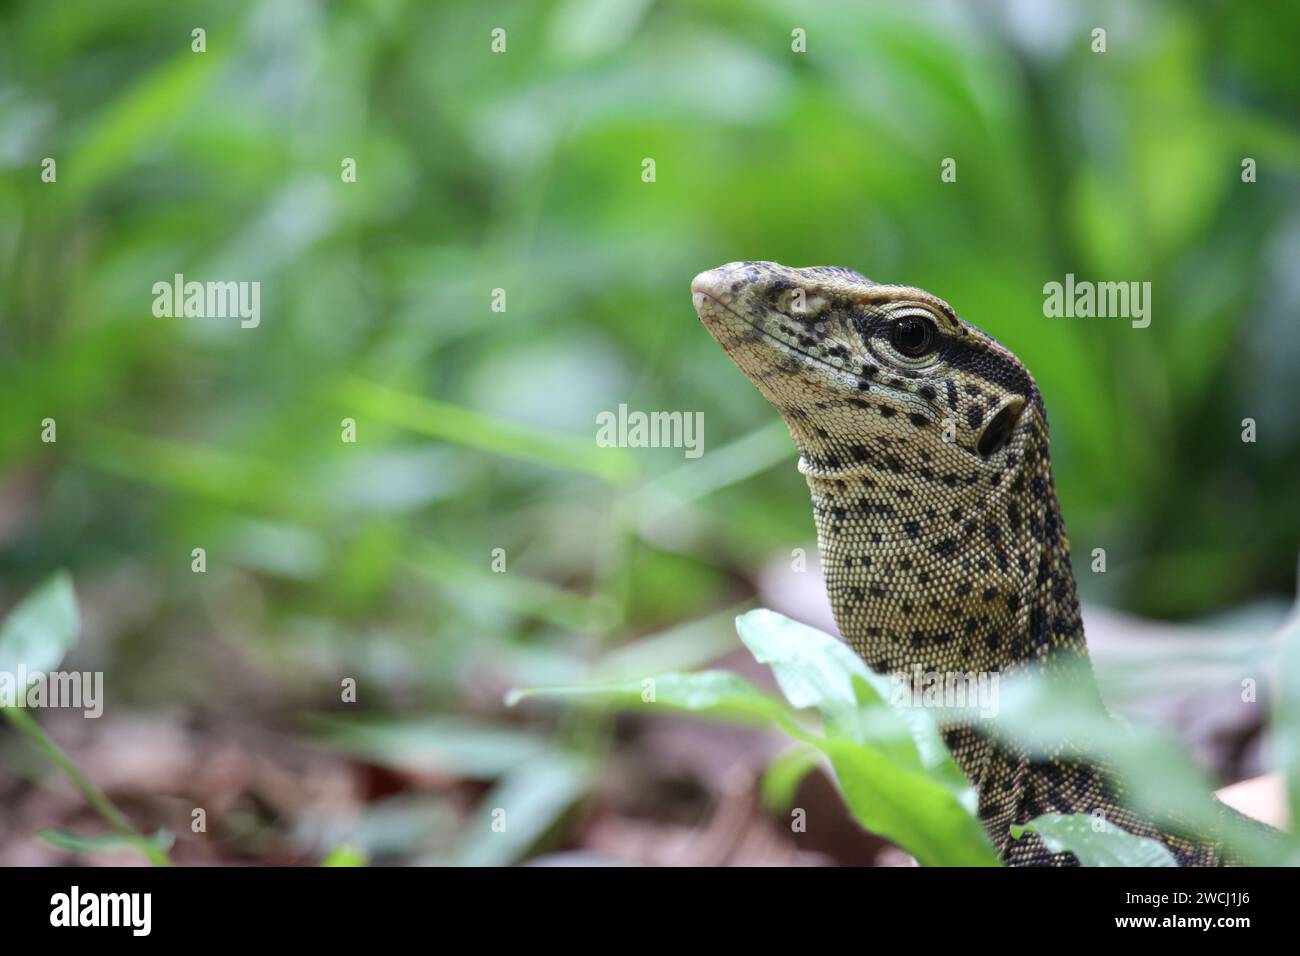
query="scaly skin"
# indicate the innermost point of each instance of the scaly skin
(937, 517)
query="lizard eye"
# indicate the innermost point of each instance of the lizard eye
(912, 336)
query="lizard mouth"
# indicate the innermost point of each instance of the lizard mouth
(701, 299)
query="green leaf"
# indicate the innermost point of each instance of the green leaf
(473, 749)
(473, 429)
(522, 807)
(462, 582)
(784, 774)
(35, 636)
(41, 629)
(693, 644)
(892, 766)
(811, 668)
(344, 856)
(1094, 844)
(815, 669)
(896, 776)
(149, 846)
(720, 694)
(911, 809)
(123, 128)
(152, 848)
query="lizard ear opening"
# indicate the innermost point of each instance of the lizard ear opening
(1000, 427)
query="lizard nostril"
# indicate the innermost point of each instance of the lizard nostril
(1000, 427)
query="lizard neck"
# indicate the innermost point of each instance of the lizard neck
(988, 590)
(931, 564)
(930, 572)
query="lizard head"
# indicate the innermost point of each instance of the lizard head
(872, 377)
(924, 442)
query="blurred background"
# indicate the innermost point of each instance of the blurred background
(475, 429)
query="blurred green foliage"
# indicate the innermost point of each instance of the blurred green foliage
(522, 171)
(898, 778)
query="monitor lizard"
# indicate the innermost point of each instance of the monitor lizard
(924, 442)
